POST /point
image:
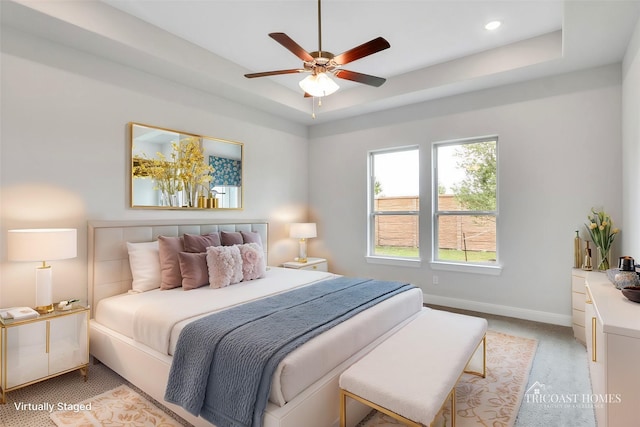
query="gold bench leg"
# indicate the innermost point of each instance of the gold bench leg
(484, 356)
(343, 409)
(453, 406)
(482, 374)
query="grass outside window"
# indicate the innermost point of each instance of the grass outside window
(443, 254)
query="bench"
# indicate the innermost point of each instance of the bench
(411, 375)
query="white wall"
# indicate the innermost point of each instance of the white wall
(559, 155)
(631, 146)
(64, 153)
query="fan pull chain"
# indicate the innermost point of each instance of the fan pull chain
(313, 107)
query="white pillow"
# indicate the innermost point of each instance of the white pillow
(144, 260)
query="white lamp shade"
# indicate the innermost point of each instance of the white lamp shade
(319, 85)
(42, 244)
(303, 230)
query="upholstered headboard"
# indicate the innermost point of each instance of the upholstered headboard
(109, 271)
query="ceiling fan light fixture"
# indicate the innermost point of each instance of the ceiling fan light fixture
(319, 85)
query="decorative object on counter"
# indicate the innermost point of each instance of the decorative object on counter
(66, 304)
(42, 244)
(587, 258)
(602, 234)
(626, 263)
(303, 231)
(632, 293)
(577, 252)
(623, 279)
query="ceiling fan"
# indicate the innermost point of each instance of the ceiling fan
(322, 63)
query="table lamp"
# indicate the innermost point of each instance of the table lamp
(303, 231)
(43, 244)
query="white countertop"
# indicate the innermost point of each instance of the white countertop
(616, 313)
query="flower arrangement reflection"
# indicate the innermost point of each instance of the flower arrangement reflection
(185, 170)
(194, 172)
(600, 228)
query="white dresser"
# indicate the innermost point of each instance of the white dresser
(37, 349)
(577, 303)
(612, 332)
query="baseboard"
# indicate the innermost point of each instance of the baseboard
(500, 310)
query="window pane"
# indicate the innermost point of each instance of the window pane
(467, 177)
(396, 235)
(466, 238)
(396, 203)
(395, 185)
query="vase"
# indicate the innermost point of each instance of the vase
(190, 194)
(169, 199)
(603, 259)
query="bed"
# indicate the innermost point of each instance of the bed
(304, 388)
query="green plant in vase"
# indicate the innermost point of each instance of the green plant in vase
(600, 228)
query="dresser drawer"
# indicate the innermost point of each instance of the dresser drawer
(578, 317)
(578, 300)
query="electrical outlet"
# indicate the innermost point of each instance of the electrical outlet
(435, 279)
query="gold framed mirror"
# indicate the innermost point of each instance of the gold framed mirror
(172, 169)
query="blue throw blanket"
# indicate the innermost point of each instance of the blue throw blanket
(223, 363)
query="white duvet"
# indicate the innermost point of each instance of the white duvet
(156, 318)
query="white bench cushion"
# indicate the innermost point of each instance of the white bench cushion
(413, 371)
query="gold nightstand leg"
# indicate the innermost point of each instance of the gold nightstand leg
(85, 373)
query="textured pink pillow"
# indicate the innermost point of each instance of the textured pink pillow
(199, 243)
(251, 237)
(168, 249)
(225, 265)
(253, 265)
(194, 270)
(229, 238)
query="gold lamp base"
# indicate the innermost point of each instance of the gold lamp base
(44, 309)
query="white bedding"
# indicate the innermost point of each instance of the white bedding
(155, 318)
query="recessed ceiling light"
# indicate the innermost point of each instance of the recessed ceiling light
(493, 25)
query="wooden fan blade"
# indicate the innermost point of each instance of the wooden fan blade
(307, 95)
(365, 49)
(360, 78)
(274, 73)
(294, 47)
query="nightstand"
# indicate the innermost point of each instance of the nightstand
(318, 264)
(40, 348)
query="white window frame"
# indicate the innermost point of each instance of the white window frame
(371, 257)
(494, 268)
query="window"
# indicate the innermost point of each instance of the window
(465, 201)
(394, 203)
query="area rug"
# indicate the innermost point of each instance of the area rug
(119, 407)
(492, 401)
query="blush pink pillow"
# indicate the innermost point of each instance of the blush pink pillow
(228, 238)
(253, 265)
(251, 237)
(224, 264)
(199, 243)
(168, 249)
(193, 268)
